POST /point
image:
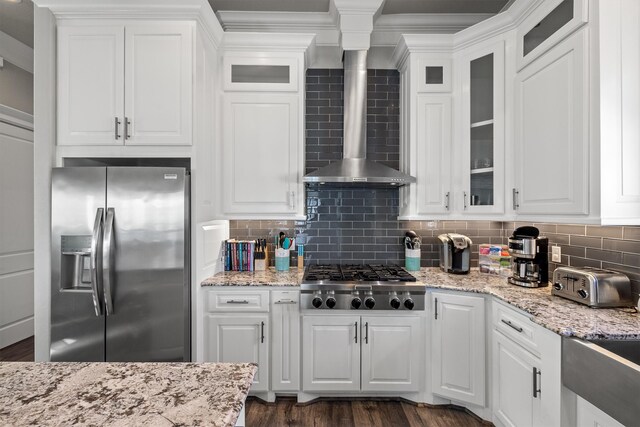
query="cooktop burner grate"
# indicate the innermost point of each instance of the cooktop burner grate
(357, 273)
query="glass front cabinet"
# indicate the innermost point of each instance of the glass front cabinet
(482, 127)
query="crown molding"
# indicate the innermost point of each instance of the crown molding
(196, 10)
(421, 43)
(271, 42)
(16, 52)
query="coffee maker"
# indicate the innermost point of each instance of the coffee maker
(530, 262)
(455, 250)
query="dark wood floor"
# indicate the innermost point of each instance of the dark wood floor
(22, 351)
(356, 413)
(329, 413)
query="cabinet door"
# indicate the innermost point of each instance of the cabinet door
(90, 85)
(434, 154)
(391, 353)
(158, 84)
(619, 112)
(233, 338)
(551, 165)
(331, 353)
(261, 153)
(458, 351)
(590, 416)
(482, 162)
(513, 401)
(285, 341)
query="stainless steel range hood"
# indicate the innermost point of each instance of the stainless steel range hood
(354, 166)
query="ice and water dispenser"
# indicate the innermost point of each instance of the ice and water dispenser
(75, 271)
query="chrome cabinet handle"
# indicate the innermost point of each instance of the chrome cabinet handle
(356, 332)
(511, 325)
(233, 301)
(446, 196)
(536, 386)
(464, 198)
(515, 193)
(285, 302)
(107, 260)
(95, 278)
(262, 332)
(117, 127)
(127, 123)
(436, 309)
(366, 333)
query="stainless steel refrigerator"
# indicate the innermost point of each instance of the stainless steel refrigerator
(120, 264)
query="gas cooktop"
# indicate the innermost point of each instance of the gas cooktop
(356, 273)
(360, 286)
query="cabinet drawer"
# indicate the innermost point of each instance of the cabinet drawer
(516, 326)
(238, 301)
(285, 297)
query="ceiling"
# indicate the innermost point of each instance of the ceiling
(16, 20)
(391, 7)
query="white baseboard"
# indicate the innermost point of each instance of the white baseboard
(17, 331)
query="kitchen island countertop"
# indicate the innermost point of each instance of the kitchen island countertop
(557, 314)
(121, 394)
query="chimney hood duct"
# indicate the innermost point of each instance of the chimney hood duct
(354, 166)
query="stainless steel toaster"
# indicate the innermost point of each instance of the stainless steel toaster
(592, 286)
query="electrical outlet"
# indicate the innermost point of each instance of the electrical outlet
(556, 254)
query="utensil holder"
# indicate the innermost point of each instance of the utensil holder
(282, 259)
(412, 259)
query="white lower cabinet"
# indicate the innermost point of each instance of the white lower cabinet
(458, 347)
(240, 338)
(389, 347)
(526, 377)
(285, 341)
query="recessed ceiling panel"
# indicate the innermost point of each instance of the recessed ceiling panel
(392, 7)
(271, 5)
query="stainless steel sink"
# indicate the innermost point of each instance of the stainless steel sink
(605, 373)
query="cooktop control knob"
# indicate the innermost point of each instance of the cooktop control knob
(583, 294)
(394, 301)
(558, 286)
(331, 302)
(409, 304)
(356, 303)
(317, 301)
(369, 302)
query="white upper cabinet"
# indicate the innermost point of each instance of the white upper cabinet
(481, 163)
(619, 109)
(263, 125)
(261, 153)
(551, 152)
(127, 84)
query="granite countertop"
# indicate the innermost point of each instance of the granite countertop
(557, 314)
(269, 277)
(123, 394)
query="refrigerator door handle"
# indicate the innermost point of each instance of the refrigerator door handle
(95, 277)
(107, 261)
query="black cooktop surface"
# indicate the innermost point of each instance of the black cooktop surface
(357, 273)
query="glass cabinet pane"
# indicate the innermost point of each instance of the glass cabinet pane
(481, 150)
(259, 73)
(551, 23)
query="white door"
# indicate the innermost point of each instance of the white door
(513, 401)
(285, 341)
(458, 350)
(392, 354)
(240, 338)
(551, 165)
(331, 353)
(90, 85)
(433, 174)
(261, 147)
(158, 84)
